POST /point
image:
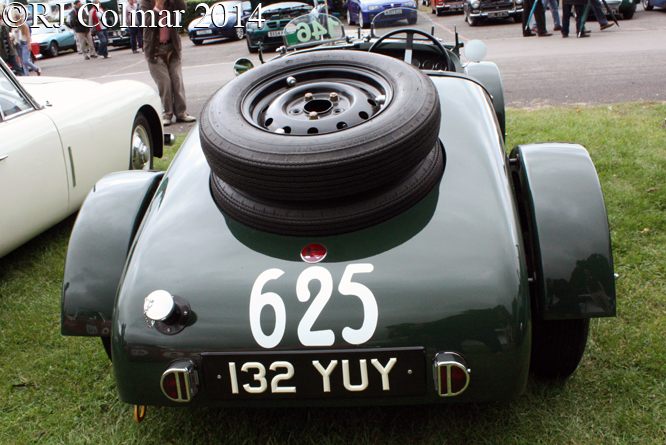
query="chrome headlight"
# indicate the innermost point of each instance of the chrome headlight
(519, 2)
(252, 25)
(475, 4)
(373, 7)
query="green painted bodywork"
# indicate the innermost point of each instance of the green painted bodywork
(569, 234)
(98, 247)
(449, 275)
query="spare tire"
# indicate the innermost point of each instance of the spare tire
(334, 216)
(370, 120)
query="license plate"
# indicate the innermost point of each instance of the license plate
(205, 33)
(393, 11)
(498, 14)
(352, 373)
(276, 33)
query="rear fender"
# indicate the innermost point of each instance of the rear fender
(488, 75)
(565, 226)
(98, 248)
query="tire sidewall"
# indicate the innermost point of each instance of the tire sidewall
(224, 107)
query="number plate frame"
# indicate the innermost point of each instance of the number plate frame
(279, 33)
(205, 32)
(498, 14)
(309, 382)
(393, 12)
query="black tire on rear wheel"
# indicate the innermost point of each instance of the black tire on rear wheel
(346, 161)
(647, 6)
(141, 144)
(557, 346)
(53, 49)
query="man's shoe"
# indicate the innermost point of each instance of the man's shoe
(565, 36)
(584, 34)
(186, 118)
(94, 56)
(606, 26)
(166, 121)
(528, 34)
(106, 57)
(87, 57)
(545, 34)
(557, 28)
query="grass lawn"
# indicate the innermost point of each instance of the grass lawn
(56, 389)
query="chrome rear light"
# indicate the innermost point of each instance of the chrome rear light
(451, 374)
(180, 382)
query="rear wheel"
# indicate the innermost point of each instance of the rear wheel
(141, 144)
(53, 49)
(557, 346)
(349, 20)
(647, 6)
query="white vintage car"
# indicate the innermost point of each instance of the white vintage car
(58, 137)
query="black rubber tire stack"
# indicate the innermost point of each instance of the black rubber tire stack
(324, 184)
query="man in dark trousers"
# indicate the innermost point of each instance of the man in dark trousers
(163, 49)
(82, 30)
(539, 16)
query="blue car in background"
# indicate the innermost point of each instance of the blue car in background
(54, 40)
(364, 11)
(214, 26)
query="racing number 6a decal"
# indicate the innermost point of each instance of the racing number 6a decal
(306, 335)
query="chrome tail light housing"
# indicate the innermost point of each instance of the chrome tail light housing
(180, 382)
(452, 376)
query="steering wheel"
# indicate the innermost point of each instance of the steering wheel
(410, 44)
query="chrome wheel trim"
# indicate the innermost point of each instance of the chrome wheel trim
(140, 148)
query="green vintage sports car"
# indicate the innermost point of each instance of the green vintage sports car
(269, 35)
(345, 228)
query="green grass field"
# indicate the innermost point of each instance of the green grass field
(56, 389)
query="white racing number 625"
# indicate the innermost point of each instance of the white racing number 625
(308, 337)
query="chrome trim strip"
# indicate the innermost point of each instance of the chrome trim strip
(71, 161)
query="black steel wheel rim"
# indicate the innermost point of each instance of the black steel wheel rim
(317, 101)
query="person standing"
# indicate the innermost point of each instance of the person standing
(567, 11)
(554, 11)
(100, 30)
(24, 42)
(132, 19)
(163, 49)
(600, 15)
(539, 16)
(82, 31)
(8, 51)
